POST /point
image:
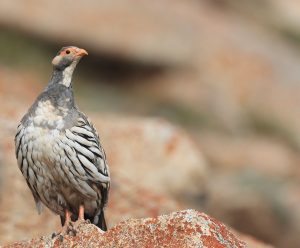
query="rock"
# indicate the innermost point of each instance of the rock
(131, 200)
(154, 153)
(179, 229)
(238, 198)
(140, 31)
(254, 176)
(266, 156)
(227, 88)
(279, 16)
(288, 12)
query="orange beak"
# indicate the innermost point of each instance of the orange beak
(81, 52)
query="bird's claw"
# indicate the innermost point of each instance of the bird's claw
(65, 230)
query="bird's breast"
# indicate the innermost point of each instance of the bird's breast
(41, 139)
(48, 117)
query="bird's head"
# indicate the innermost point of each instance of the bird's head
(68, 56)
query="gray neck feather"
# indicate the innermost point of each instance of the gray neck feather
(62, 76)
(57, 76)
(59, 89)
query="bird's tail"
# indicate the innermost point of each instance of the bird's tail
(101, 221)
(98, 220)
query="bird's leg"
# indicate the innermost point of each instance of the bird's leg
(81, 213)
(80, 216)
(66, 227)
(68, 217)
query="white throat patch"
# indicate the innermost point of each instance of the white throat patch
(67, 74)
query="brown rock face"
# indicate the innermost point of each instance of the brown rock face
(179, 229)
(154, 153)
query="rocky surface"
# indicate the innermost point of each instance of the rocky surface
(179, 229)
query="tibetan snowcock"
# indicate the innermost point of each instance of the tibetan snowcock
(59, 151)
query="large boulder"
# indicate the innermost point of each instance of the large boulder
(179, 229)
(153, 153)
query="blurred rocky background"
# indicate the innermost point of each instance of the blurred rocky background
(197, 103)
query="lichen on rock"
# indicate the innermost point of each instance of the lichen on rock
(187, 228)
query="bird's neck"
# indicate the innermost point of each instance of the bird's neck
(63, 77)
(59, 89)
(59, 96)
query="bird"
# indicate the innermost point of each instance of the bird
(58, 150)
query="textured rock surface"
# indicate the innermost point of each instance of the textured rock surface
(179, 229)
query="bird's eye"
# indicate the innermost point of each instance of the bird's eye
(67, 51)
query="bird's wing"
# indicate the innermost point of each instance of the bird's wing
(82, 148)
(23, 163)
(75, 154)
